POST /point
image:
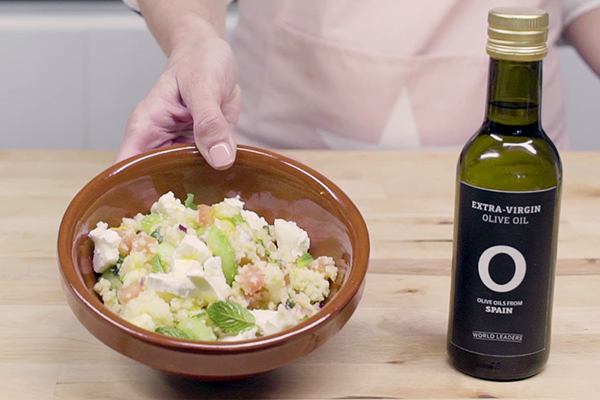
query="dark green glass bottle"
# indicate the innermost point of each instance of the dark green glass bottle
(506, 216)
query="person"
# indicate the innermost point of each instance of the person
(344, 74)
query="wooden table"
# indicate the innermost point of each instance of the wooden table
(394, 345)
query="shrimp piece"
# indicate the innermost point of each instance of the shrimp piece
(326, 266)
(205, 215)
(129, 292)
(251, 279)
(144, 244)
(127, 238)
(320, 264)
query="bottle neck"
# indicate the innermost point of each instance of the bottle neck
(514, 94)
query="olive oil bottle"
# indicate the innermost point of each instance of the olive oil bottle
(507, 212)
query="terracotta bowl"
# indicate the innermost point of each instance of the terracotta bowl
(270, 184)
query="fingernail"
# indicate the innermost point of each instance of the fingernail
(221, 155)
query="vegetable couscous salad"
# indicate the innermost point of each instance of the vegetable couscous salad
(209, 272)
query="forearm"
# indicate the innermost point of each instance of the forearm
(584, 34)
(173, 22)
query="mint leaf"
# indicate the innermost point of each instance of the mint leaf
(305, 259)
(202, 316)
(174, 332)
(156, 235)
(157, 265)
(230, 317)
(290, 303)
(189, 201)
(267, 252)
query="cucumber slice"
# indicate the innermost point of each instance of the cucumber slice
(196, 329)
(225, 225)
(150, 222)
(220, 246)
(202, 316)
(112, 276)
(165, 251)
(236, 219)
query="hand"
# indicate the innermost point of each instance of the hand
(196, 99)
(583, 34)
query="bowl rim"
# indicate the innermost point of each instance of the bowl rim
(77, 287)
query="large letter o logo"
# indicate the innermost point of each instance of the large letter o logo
(484, 268)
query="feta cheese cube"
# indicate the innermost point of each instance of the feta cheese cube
(252, 218)
(234, 202)
(106, 247)
(170, 284)
(192, 248)
(292, 241)
(273, 321)
(167, 204)
(210, 280)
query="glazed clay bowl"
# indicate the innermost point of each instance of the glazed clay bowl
(271, 185)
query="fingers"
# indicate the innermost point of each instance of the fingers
(212, 96)
(213, 134)
(134, 141)
(215, 110)
(198, 89)
(155, 122)
(231, 108)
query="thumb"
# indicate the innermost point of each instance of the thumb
(213, 135)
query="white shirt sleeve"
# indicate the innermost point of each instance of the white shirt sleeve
(572, 9)
(133, 4)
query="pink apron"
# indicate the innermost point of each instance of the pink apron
(374, 74)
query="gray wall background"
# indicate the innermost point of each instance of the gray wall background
(71, 73)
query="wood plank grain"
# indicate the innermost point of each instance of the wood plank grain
(393, 346)
(426, 379)
(16, 380)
